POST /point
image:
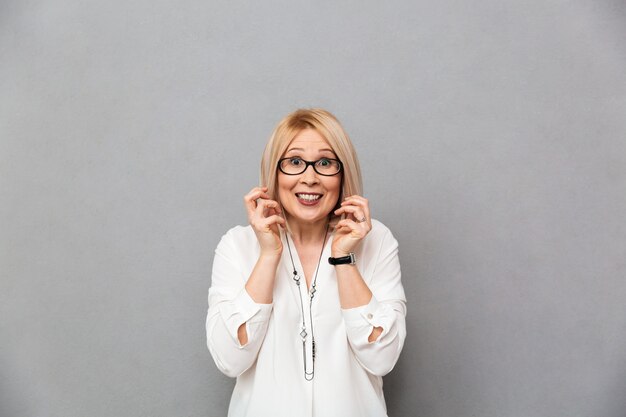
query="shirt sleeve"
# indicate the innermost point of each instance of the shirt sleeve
(230, 306)
(386, 309)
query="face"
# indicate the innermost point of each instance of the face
(308, 197)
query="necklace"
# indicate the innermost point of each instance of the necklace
(308, 375)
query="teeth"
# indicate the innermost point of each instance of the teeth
(309, 197)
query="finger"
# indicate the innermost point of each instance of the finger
(256, 190)
(266, 224)
(277, 210)
(357, 200)
(355, 228)
(264, 207)
(275, 219)
(250, 199)
(355, 212)
(355, 197)
(266, 203)
(255, 194)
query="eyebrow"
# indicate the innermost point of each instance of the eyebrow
(320, 151)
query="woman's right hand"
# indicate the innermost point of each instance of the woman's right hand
(265, 217)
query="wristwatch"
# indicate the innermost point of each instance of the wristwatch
(344, 260)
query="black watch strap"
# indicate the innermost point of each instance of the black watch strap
(344, 260)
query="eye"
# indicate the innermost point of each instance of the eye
(295, 161)
(324, 162)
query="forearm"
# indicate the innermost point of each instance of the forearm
(354, 292)
(376, 331)
(260, 285)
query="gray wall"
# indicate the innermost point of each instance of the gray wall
(492, 138)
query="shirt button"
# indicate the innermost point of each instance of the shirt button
(369, 316)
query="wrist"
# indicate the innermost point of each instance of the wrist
(349, 259)
(271, 257)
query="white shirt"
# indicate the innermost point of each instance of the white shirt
(270, 367)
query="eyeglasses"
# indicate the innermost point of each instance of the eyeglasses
(296, 166)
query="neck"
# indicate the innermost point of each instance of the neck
(307, 232)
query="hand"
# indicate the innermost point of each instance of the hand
(264, 215)
(353, 228)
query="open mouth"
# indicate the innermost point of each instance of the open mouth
(308, 199)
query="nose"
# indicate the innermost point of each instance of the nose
(309, 176)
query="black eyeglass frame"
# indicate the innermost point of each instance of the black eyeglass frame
(311, 163)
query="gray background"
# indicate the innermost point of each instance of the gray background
(492, 139)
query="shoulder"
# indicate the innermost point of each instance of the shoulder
(238, 237)
(379, 237)
(240, 232)
(375, 250)
(379, 231)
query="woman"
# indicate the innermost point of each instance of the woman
(306, 307)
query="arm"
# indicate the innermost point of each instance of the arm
(240, 306)
(386, 310)
(353, 291)
(260, 287)
(231, 308)
(374, 314)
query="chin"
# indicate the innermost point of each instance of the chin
(308, 218)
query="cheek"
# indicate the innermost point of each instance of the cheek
(334, 187)
(284, 185)
(336, 190)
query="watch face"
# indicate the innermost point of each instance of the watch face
(352, 260)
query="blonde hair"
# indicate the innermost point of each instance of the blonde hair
(327, 125)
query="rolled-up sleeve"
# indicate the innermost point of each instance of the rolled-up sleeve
(230, 306)
(386, 309)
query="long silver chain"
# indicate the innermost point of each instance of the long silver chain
(303, 333)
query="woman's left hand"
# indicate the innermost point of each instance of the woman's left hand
(353, 228)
